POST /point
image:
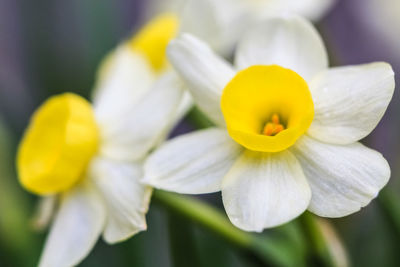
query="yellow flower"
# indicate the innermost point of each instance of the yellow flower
(287, 129)
(89, 155)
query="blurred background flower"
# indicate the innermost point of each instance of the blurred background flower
(49, 47)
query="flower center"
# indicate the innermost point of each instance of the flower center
(153, 38)
(267, 108)
(273, 127)
(61, 139)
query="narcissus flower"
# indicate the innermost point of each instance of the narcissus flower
(90, 155)
(287, 127)
(221, 23)
(311, 9)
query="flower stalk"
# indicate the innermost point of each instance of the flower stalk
(389, 205)
(268, 251)
(318, 249)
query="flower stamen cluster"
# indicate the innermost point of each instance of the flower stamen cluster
(274, 126)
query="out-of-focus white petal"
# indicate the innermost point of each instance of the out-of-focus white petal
(334, 244)
(44, 213)
(382, 19)
(343, 179)
(289, 41)
(155, 7)
(350, 101)
(311, 9)
(131, 135)
(265, 190)
(76, 228)
(194, 163)
(124, 77)
(184, 106)
(205, 73)
(219, 23)
(126, 199)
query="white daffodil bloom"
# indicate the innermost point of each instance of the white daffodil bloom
(311, 9)
(221, 23)
(90, 156)
(287, 127)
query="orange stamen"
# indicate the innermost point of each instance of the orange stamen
(279, 128)
(274, 127)
(275, 119)
(268, 129)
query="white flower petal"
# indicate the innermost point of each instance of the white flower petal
(343, 179)
(264, 190)
(123, 78)
(127, 200)
(350, 101)
(131, 135)
(184, 106)
(44, 214)
(194, 163)
(76, 228)
(288, 41)
(222, 22)
(311, 9)
(205, 73)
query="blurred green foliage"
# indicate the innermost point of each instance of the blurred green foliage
(19, 244)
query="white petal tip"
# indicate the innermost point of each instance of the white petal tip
(111, 240)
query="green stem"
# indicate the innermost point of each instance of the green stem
(265, 250)
(390, 206)
(318, 249)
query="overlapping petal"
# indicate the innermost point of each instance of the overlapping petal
(289, 41)
(343, 179)
(265, 190)
(131, 135)
(205, 73)
(127, 200)
(311, 9)
(350, 101)
(220, 23)
(46, 208)
(194, 163)
(76, 228)
(123, 78)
